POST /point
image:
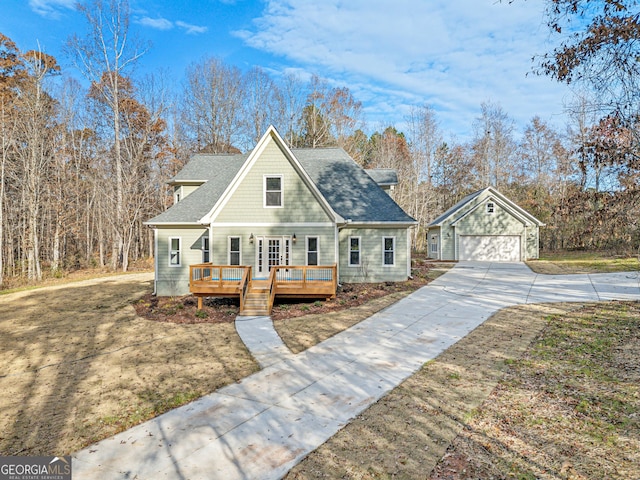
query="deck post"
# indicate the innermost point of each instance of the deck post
(199, 302)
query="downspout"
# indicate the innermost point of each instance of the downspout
(155, 261)
(455, 244)
(337, 235)
(409, 237)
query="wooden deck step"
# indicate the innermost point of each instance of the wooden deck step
(256, 303)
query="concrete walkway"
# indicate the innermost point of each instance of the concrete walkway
(262, 340)
(264, 425)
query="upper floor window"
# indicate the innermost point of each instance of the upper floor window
(273, 191)
(177, 194)
(490, 207)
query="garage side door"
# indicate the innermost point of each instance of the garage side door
(489, 248)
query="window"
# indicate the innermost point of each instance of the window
(273, 191)
(177, 194)
(354, 251)
(205, 250)
(234, 251)
(490, 207)
(388, 251)
(312, 250)
(174, 251)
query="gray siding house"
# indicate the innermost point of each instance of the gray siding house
(278, 206)
(484, 226)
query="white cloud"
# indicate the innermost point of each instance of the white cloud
(51, 8)
(453, 55)
(191, 29)
(164, 24)
(156, 23)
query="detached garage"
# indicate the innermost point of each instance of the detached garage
(487, 227)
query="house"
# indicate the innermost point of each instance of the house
(309, 214)
(484, 226)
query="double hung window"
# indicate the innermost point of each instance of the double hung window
(273, 191)
(312, 250)
(234, 251)
(389, 251)
(175, 251)
(354, 251)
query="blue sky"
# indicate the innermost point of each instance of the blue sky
(391, 54)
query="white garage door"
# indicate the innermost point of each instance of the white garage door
(490, 248)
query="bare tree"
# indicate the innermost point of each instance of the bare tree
(263, 104)
(35, 130)
(292, 91)
(212, 104)
(103, 56)
(494, 146)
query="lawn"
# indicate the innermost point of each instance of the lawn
(77, 364)
(560, 263)
(537, 391)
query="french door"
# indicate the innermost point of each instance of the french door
(270, 252)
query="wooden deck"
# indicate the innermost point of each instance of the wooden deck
(258, 295)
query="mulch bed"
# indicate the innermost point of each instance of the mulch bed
(184, 310)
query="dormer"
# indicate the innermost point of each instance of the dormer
(386, 178)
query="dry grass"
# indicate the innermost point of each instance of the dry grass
(535, 392)
(406, 432)
(563, 263)
(568, 408)
(78, 365)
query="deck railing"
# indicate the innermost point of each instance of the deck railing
(245, 285)
(206, 279)
(304, 276)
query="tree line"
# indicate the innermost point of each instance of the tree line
(84, 162)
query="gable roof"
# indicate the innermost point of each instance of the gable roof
(341, 184)
(383, 176)
(204, 167)
(350, 191)
(466, 206)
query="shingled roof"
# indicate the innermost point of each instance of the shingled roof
(346, 187)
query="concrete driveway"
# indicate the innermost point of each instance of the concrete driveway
(264, 425)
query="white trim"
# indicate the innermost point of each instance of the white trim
(206, 239)
(409, 237)
(393, 250)
(288, 225)
(285, 251)
(265, 177)
(156, 259)
(359, 251)
(306, 249)
(336, 250)
(490, 208)
(179, 250)
(229, 237)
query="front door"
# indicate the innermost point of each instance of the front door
(273, 252)
(270, 252)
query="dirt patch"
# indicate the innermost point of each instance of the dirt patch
(77, 364)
